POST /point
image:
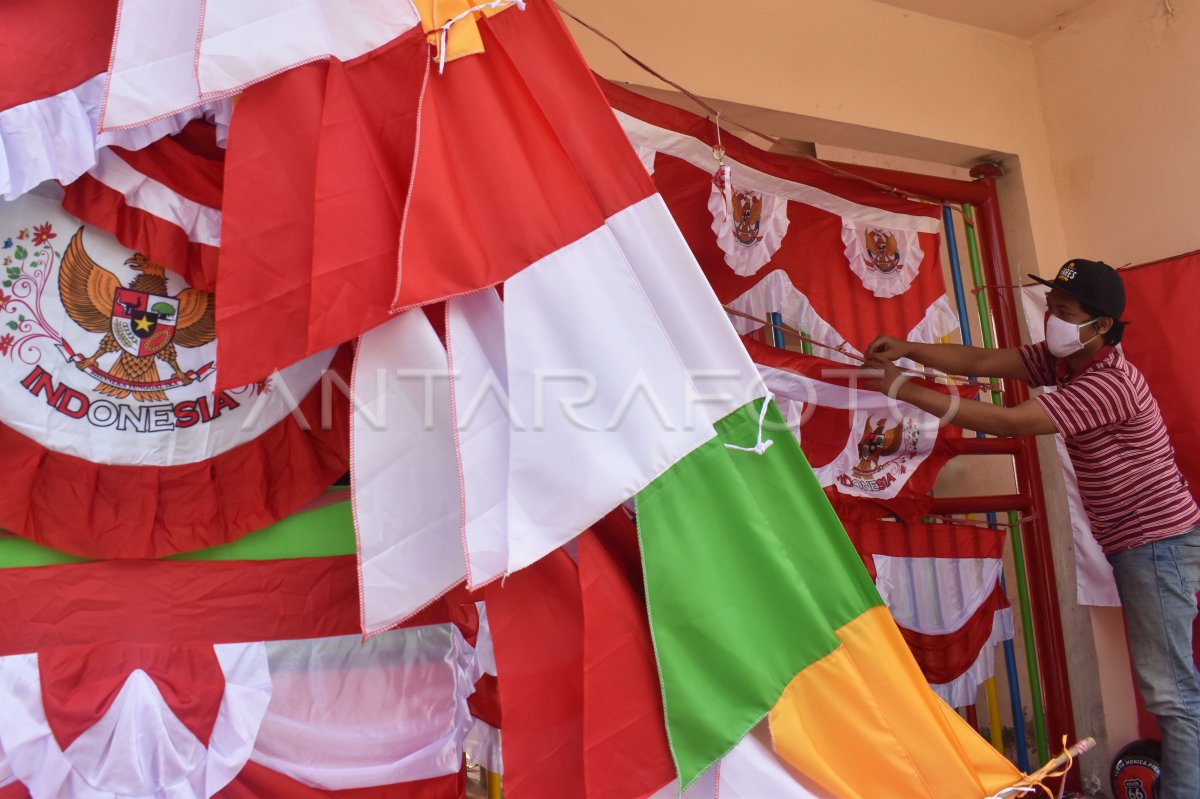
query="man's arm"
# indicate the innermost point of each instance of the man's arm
(954, 359)
(1027, 419)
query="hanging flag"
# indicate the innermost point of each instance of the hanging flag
(808, 274)
(803, 634)
(749, 771)
(942, 585)
(750, 225)
(539, 407)
(117, 442)
(861, 443)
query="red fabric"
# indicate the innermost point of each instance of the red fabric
(537, 632)
(79, 683)
(944, 657)
(159, 240)
(52, 45)
(484, 703)
(167, 602)
(116, 511)
(518, 157)
(925, 540)
(260, 782)
(812, 252)
(1160, 342)
(626, 753)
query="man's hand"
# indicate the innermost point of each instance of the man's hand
(888, 348)
(881, 375)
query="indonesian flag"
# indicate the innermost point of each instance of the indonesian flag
(942, 585)
(794, 236)
(525, 414)
(861, 443)
(116, 440)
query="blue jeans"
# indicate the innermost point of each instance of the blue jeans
(1157, 583)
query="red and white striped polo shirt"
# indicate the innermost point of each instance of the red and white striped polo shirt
(1130, 485)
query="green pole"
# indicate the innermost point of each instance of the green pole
(1018, 549)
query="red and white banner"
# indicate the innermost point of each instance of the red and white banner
(174, 679)
(942, 584)
(800, 267)
(861, 443)
(117, 440)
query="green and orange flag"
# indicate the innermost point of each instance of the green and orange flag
(759, 607)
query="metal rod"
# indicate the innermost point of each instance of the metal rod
(1051, 651)
(995, 728)
(1010, 656)
(777, 329)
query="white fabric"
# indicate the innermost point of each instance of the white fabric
(151, 74)
(855, 471)
(201, 223)
(138, 749)
(700, 155)
(475, 330)
(886, 260)
(647, 156)
(936, 596)
(611, 405)
(347, 713)
(749, 225)
(405, 479)
(1094, 583)
(107, 429)
(964, 689)
(171, 55)
(55, 137)
(245, 42)
(751, 770)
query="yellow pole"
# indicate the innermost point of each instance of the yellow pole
(493, 783)
(994, 723)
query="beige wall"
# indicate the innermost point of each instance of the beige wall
(854, 73)
(1120, 84)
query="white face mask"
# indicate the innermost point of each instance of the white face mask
(1062, 337)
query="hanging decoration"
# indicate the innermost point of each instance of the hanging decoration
(749, 225)
(886, 260)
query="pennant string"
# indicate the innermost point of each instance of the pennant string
(925, 374)
(761, 445)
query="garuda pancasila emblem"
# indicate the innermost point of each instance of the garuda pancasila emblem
(883, 253)
(876, 443)
(141, 321)
(747, 215)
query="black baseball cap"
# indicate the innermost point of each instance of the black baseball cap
(1094, 283)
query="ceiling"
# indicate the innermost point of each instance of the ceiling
(1021, 18)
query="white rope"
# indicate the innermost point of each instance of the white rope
(445, 29)
(1010, 791)
(760, 445)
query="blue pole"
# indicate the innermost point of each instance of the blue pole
(777, 320)
(1010, 655)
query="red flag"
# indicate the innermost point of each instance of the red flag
(625, 753)
(514, 161)
(537, 631)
